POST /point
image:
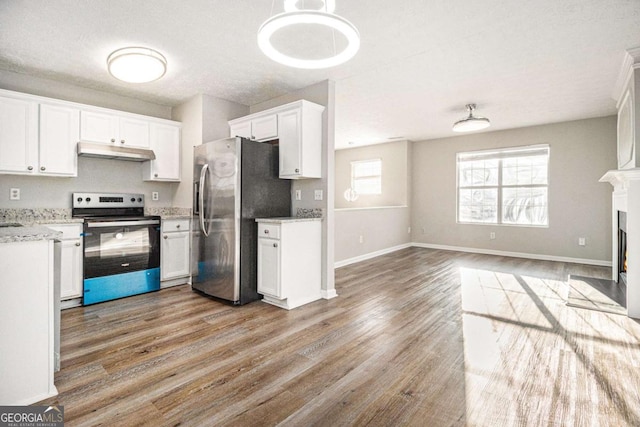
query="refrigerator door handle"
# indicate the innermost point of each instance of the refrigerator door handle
(203, 177)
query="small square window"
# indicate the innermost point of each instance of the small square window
(366, 176)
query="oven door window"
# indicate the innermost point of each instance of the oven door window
(114, 250)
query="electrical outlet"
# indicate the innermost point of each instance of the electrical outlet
(318, 195)
(298, 194)
(582, 241)
(14, 194)
(361, 240)
(492, 235)
(154, 195)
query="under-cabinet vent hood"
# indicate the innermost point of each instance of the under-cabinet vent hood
(105, 151)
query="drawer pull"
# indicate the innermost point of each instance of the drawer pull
(77, 243)
(30, 168)
(165, 236)
(178, 226)
(275, 245)
(266, 231)
(113, 140)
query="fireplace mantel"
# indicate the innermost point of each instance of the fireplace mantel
(620, 178)
(626, 198)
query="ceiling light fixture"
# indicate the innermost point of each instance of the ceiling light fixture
(471, 122)
(136, 64)
(294, 16)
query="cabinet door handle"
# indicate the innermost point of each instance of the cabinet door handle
(266, 231)
(177, 225)
(113, 140)
(297, 170)
(29, 168)
(42, 168)
(155, 175)
(77, 243)
(165, 236)
(275, 245)
(122, 141)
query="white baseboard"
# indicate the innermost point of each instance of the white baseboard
(371, 255)
(328, 293)
(515, 254)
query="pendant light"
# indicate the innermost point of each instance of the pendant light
(136, 64)
(323, 16)
(471, 122)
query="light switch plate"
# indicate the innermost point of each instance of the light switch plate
(318, 195)
(14, 194)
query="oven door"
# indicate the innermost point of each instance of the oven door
(121, 258)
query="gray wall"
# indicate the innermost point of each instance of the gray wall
(395, 186)
(100, 175)
(322, 93)
(204, 118)
(579, 206)
(380, 229)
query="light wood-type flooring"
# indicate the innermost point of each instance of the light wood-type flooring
(418, 337)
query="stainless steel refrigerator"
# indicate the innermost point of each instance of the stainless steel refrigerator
(235, 181)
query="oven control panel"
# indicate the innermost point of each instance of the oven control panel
(107, 200)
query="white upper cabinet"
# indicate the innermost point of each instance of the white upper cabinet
(165, 143)
(113, 129)
(59, 134)
(242, 129)
(18, 136)
(35, 144)
(298, 127)
(261, 128)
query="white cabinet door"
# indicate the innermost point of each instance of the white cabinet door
(269, 267)
(289, 126)
(99, 127)
(174, 255)
(18, 136)
(71, 269)
(71, 260)
(134, 132)
(59, 134)
(241, 129)
(264, 128)
(112, 129)
(165, 143)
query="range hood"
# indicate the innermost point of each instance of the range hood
(105, 151)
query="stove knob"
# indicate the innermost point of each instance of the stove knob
(140, 199)
(133, 199)
(88, 199)
(79, 199)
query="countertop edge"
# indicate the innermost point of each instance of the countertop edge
(286, 219)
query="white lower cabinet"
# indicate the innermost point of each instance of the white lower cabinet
(71, 257)
(289, 261)
(174, 252)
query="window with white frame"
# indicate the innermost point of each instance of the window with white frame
(366, 176)
(507, 186)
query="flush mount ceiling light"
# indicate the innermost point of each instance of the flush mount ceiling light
(472, 122)
(323, 16)
(136, 64)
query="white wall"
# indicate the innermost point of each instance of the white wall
(579, 206)
(322, 93)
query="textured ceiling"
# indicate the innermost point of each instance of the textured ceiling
(522, 62)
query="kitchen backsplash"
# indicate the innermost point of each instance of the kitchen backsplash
(165, 212)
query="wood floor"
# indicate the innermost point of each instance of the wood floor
(417, 337)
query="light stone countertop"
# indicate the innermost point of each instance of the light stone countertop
(27, 234)
(281, 220)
